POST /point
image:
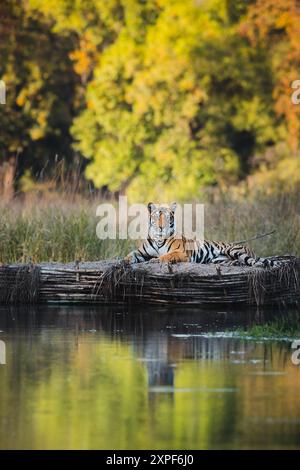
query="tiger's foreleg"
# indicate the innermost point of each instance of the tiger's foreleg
(136, 256)
(145, 252)
(173, 257)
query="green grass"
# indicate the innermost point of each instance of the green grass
(286, 326)
(63, 230)
(59, 231)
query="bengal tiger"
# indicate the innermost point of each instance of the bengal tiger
(162, 245)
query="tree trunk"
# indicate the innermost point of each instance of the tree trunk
(7, 177)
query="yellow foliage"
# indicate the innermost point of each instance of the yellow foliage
(282, 177)
(283, 16)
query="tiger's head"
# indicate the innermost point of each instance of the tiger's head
(161, 221)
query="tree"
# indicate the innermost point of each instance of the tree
(273, 25)
(41, 86)
(169, 111)
(164, 98)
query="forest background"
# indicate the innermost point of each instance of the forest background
(156, 99)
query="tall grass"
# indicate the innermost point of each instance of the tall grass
(56, 231)
(64, 229)
(232, 219)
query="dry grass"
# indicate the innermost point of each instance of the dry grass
(232, 220)
(64, 229)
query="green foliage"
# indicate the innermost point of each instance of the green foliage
(41, 85)
(165, 98)
(150, 124)
(176, 105)
(285, 327)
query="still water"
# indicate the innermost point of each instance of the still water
(110, 378)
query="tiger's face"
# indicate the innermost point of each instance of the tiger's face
(161, 221)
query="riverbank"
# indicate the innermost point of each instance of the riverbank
(111, 281)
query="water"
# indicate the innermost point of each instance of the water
(107, 378)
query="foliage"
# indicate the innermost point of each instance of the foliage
(164, 98)
(158, 121)
(274, 26)
(284, 327)
(41, 82)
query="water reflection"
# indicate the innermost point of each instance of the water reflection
(96, 377)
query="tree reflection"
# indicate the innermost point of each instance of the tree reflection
(112, 378)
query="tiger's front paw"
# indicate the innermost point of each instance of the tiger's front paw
(154, 260)
(128, 259)
(173, 258)
(166, 259)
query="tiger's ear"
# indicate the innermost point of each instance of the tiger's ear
(151, 207)
(173, 206)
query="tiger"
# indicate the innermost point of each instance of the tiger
(164, 246)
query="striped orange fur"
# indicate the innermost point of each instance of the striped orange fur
(162, 245)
